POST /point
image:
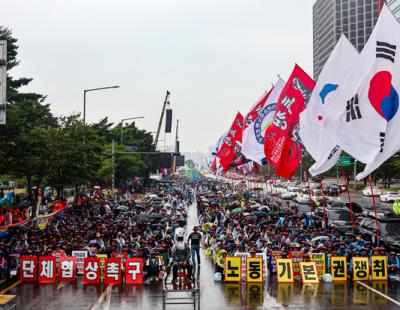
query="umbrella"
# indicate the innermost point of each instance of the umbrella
(143, 218)
(140, 207)
(251, 217)
(153, 196)
(237, 211)
(156, 215)
(325, 238)
(210, 195)
(123, 208)
(260, 214)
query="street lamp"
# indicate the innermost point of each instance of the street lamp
(122, 125)
(84, 98)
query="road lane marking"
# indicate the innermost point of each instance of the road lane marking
(10, 287)
(379, 293)
(107, 302)
(107, 292)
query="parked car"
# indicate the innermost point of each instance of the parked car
(303, 205)
(287, 196)
(388, 225)
(304, 189)
(293, 189)
(389, 196)
(332, 190)
(368, 193)
(338, 216)
(316, 193)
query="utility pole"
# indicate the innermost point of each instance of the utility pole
(176, 146)
(161, 117)
(176, 137)
(113, 167)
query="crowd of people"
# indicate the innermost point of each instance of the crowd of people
(149, 223)
(233, 224)
(141, 223)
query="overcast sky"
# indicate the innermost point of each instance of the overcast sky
(216, 57)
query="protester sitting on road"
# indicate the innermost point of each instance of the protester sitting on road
(152, 267)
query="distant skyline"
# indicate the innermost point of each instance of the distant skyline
(215, 57)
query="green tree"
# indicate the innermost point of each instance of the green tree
(76, 154)
(190, 164)
(23, 146)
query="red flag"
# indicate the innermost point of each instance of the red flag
(227, 151)
(282, 146)
(256, 168)
(256, 109)
(213, 167)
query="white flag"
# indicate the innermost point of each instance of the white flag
(218, 145)
(317, 143)
(253, 135)
(364, 119)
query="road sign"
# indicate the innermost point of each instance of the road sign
(345, 160)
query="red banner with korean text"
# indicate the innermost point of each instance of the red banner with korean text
(67, 271)
(113, 271)
(91, 270)
(232, 143)
(28, 265)
(47, 269)
(134, 271)
(282, 146)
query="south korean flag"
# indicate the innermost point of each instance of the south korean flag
(363, 118)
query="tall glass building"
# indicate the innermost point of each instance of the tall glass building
(331, 18)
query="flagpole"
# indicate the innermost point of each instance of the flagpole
(376, 215)
(307, 180)
(323, 201)
(348, 195)
(380, 5)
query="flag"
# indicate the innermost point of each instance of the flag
(253, 135)
(256, 168)
(318, 144)
(364, 119)
(227, 151)
(239, 158)
(256, 109)
(218, 145)
(282, 146)
(213, 166)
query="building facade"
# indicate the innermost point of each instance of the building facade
(354, 18)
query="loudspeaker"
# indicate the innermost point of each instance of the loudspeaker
(168, 121)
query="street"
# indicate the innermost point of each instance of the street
(214, 296)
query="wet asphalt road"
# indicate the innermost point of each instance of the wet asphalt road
(213, 295)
